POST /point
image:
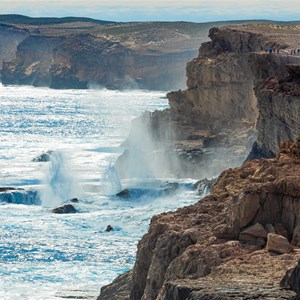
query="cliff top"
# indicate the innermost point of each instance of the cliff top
(152, 38)
(287, 36)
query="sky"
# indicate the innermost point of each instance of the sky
(157, 10)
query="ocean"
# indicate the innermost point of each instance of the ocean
(57, 256)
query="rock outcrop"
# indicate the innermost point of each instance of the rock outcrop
(200, 251)
(19, 196)
(278, 103)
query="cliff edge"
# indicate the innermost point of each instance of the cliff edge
(240, 98)
(81, 53)
(220, 248)
(238, 242)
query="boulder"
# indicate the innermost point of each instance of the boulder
(254, 231)
(278, 244)
(65, 209)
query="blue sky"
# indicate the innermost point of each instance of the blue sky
(154, 10)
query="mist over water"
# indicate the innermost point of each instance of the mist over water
(114, 179)
(147, 154)
(49, 256)
(61, 183)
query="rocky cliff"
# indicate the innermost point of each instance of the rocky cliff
(215, 249)
(82, 53)
(85, 60)
(237, 93)
(277, 94)
(86, 54)
(10, 37)
(227, 245)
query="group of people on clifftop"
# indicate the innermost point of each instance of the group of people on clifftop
(287, 52)
(271, 50)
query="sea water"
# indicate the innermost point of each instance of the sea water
(51, 256)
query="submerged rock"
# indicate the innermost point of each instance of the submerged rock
(109, 228)
(44, 156)
(65, 209)
(75, 200)
(7, 188)
(124, 194)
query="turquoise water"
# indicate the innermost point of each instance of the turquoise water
(49, 256)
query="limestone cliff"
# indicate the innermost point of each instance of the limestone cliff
(87, 52)
(211, 123)
(81, 55)
(10, 37)
(237, 94)
(277, 91)
(82, 60)
(215, 249)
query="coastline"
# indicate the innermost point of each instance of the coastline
(185, 252)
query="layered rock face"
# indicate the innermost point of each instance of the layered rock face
(10, 37)
(83, 55)
(227, 245)
(211, 123)
(86, 60)
(278, 101)
(237, 94)
(34, 58)
(215, 249)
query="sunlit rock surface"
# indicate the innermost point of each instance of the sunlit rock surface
(200, 251)
(94, 54)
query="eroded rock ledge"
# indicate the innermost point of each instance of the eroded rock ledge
(199, 251)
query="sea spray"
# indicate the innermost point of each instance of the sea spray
(114, 179)
(148, 152)
(61, 183)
